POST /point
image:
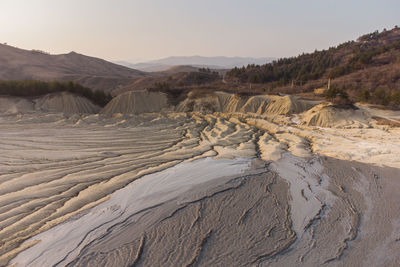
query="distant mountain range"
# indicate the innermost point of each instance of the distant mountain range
(195, 61)
(95, 73)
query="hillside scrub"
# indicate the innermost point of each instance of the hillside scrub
(332, 63)
(32, 88)
(367, 70)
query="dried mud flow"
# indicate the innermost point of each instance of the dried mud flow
(193, 189)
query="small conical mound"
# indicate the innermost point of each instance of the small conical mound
(65, 103)
(137, 102)
(325, 115)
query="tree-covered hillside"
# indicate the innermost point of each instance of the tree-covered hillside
(365, 68)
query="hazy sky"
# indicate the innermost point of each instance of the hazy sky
(149, 29)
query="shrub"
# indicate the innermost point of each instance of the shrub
(338, 96)
(364, 95)
(334, 92)
(380, 96)
(396, 98)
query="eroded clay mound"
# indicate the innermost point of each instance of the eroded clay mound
(137, 102)
(65, 103)
(13, 105)
(229, 103)
(325, 115)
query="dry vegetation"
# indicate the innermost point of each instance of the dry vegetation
(367, 70)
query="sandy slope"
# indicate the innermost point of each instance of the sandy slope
(294, 206)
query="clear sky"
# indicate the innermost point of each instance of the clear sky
(149, 29)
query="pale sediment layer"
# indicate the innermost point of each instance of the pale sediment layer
(236, 221)
(53, 167)
(240, 220)
(56, 168)
(246, 222)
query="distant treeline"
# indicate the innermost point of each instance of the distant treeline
(201, 77)
(32, 88)
(208, 70)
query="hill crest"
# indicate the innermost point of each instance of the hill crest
(95, 73)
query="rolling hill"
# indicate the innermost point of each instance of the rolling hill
(95, 73)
